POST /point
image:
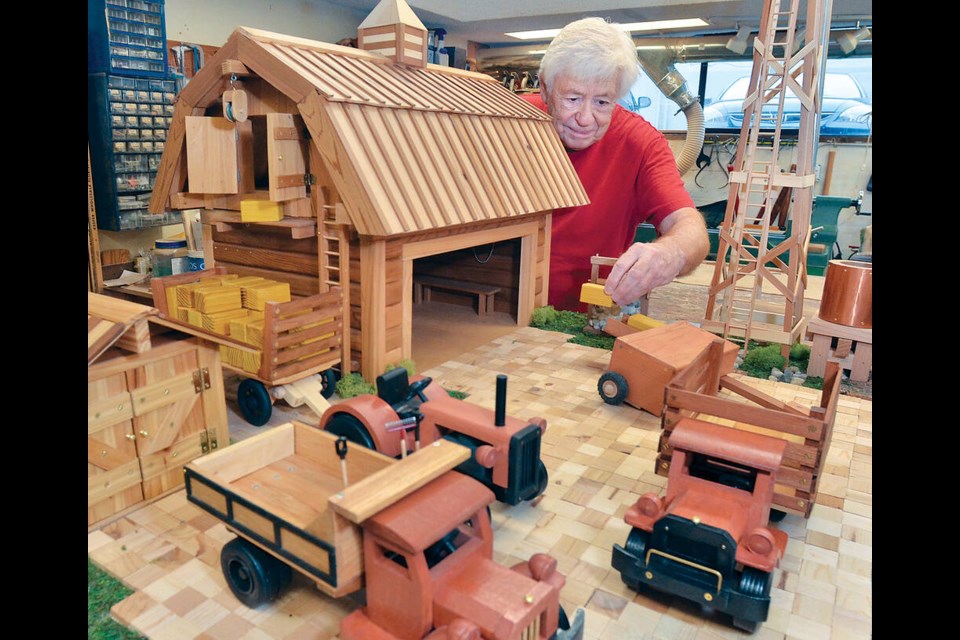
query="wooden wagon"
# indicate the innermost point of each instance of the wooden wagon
(694, 392)
(302, 354)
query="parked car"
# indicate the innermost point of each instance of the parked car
(845, 108)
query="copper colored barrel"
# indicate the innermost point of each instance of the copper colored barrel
(848, 294)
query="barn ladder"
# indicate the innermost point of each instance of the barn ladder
(738, 309)
(334, 265)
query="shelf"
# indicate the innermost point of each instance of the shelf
(228, 220)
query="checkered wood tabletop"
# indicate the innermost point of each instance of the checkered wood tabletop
(600, 459)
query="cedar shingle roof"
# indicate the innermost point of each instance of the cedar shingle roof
(414, 149)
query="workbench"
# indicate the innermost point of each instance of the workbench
(600, 459)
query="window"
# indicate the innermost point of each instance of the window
(846, 103)
(646, 99)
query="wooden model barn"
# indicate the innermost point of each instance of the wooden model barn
(357, 162)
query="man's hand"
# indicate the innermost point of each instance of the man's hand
(641, 269)
(682, 245)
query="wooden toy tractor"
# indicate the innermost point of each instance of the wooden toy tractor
(404, 416)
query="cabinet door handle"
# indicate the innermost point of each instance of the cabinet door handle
(130, 436)
(144, 433)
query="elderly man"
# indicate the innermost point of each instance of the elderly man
(625, 165)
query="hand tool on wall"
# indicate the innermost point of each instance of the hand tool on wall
(179, 75)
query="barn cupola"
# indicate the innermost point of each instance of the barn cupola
(394, 31)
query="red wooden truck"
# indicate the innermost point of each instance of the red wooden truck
(412, 532)
(709, 539)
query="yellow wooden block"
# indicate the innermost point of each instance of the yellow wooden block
(641, 322)
(254, 334)
(219, 321)
(217, 299)
(256, 295)
(195, 317)
(260, 211)
(592, 293)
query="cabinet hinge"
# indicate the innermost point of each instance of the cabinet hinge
(201, 380)
(208, 441)
(309, 179)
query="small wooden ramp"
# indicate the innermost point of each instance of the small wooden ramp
(114, 321)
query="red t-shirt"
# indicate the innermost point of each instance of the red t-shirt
(630, 176)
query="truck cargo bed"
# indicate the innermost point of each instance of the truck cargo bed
(274, 488)
(283, 490)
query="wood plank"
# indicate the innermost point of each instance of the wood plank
(211, 155)
(369, 496)
(793, 424)
(115, 309)
(274, 260)
(285, 156)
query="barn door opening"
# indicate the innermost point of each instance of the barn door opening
(463, 299)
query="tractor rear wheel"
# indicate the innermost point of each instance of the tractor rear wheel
(344, 424)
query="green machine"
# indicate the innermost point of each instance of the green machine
(823, 224)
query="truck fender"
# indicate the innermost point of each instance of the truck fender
(575, 632)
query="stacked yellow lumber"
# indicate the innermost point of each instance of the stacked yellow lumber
(218, 322)
(256, 295)
(195, 317)
(246, 360)
(238, 326)
(218, 299)
(182, 295)
(254, 333)
(248, 280)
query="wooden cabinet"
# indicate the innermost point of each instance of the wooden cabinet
(149, 414)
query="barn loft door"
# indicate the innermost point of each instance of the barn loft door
(286, 159)
(211, 155)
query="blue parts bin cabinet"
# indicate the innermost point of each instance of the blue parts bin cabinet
(127, 123)
(127, 37)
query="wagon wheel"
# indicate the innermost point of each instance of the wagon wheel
(328, 379)
(253, 575)
(613, 387)
(344, 424)
(255, 402)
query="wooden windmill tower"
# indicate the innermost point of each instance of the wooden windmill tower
(757, 290)
(393, 30)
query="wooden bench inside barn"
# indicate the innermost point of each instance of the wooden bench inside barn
(423, 285)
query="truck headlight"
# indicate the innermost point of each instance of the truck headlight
(760, 541)
(542, 566)
(650, 505)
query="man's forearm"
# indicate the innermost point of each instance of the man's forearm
(684, 233)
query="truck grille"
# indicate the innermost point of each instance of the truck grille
(532, 632)
(524, 465)
(698, 543)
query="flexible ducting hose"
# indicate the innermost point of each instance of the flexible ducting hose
(658, 65)
(695, 134)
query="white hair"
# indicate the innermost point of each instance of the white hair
(591, 49)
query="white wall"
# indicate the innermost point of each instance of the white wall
(211, 22)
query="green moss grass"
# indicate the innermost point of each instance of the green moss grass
(104, 591)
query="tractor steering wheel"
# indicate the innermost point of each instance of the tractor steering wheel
(417, 387)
